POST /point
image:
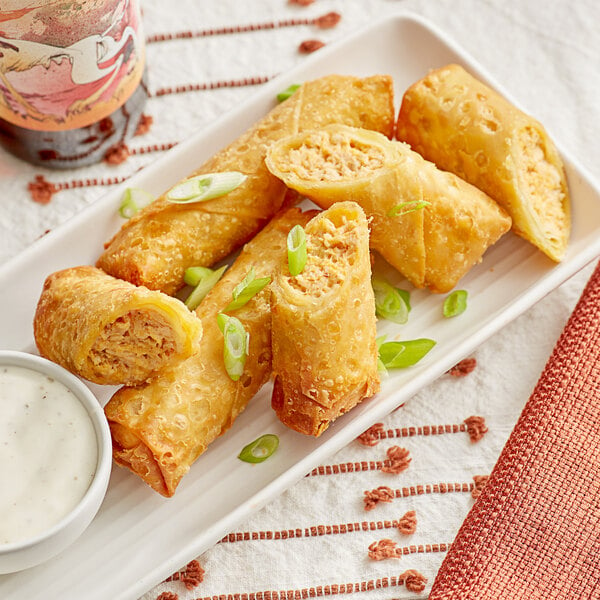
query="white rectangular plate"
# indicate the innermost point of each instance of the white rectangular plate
(140, 538)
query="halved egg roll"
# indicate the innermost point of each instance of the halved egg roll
(109, 331)
(429, 224)
(161, 428)
(162, 240)
(467, 128)
(324, 324)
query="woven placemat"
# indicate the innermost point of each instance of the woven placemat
(534, 531)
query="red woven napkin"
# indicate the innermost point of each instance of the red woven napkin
(534, 532)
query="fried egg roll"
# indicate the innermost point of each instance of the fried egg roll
(162, 240)
(429, 224)
(109, 331)
(161, 428)
(324, 324)
(467, 128)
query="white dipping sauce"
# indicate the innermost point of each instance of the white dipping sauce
(48, 452)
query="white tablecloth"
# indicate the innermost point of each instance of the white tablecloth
(314, 539)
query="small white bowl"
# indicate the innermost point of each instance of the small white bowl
(21, 555)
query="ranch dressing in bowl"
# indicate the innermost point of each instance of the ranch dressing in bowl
(48, 452)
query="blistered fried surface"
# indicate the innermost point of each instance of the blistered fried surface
(324, 325)
(446, 225)
(161, 428)
(110, 331)
(156, 246)
(467, 128)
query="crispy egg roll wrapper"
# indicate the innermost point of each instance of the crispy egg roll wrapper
(162, 240)
(109, 331)
(432, 246)
(324, 324)
(161, 428)
(463, 126)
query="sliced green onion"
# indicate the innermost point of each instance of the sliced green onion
(133, 200)
(222, 319)
(206, 282)
(235, 346)
(405, 295)
(205, 187)
(380, 366)
(260, 449)
(287, 92)
(194, 275)
(247, 289)
(399, 355)
(455, 304)
(296, 249)
(407, 207)
(380, 341)
(391, 303)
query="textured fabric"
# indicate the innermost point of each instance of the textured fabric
(534, 532)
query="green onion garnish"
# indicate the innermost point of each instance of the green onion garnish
(405, 295)
(407, 207)
(455, 304)
(296, 249)
(260, 449)
(287, 92)
(205, 187)
(380, 366)
(194, 275)
(399, 355)
(132, 201)
(391, 303)
(206, 280)
(246, 289)
(236, 344)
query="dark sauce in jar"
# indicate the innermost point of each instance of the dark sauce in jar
(78, 147)
(72, 80)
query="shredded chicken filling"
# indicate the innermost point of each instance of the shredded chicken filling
(542, 180)
(140, 341)
(327, 264)
(325, 156)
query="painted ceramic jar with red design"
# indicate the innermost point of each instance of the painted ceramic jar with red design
(71, 78)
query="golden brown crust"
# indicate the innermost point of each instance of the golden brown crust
(433, 246)
(110, 331)
(162, 240)
(465, 127)
(324, 324)
(459, 224)
(161, 428)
